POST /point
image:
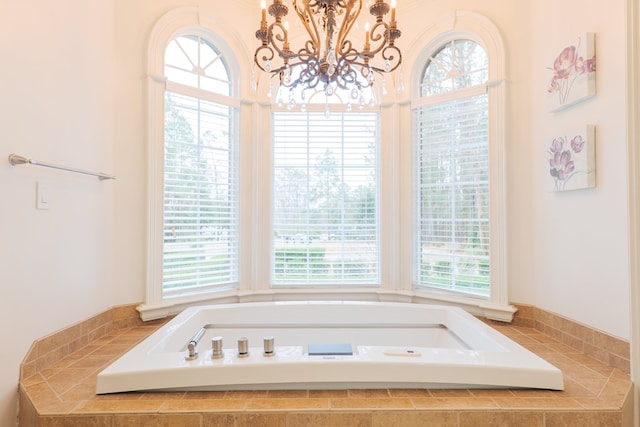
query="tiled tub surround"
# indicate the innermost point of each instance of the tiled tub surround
(58, 377)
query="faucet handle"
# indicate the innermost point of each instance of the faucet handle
(216, 346)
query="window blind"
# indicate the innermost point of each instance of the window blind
(452, 208)
(325, 199)
(200, 252)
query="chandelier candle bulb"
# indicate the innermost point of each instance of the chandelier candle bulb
(367, 46)
(263, 6)
(286, 35)
(393, 11)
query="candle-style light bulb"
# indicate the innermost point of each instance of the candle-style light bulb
(393, 10)
(367, 27)
(286, 34)
(263, 6)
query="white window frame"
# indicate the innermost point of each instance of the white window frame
(395, 154)
(187, 20)
(475, 27)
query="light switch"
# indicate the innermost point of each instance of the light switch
(42, 196)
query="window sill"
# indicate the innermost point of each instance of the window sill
(478, 307)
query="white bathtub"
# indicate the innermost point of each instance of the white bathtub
(393, 345)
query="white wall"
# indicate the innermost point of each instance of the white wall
(580, 238)
(56, 105)
(73, 91)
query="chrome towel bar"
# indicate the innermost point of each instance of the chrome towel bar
(14, 159)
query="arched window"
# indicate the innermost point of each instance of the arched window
(194, 61)
(459, 207)
(457, 64)
(200, 215)
(452, 147)
(193, 167)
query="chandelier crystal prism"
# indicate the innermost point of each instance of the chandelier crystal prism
(328, 61)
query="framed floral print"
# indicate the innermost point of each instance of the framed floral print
(572, 162)
(572, 73)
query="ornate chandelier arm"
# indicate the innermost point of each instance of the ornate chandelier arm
(263, 57)
(305, 14)
(274, 39)
(279, 38)
(379, 37)
(391, 55)
(351, 15)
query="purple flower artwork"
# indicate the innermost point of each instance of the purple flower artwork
(572, 160)
(573, 74)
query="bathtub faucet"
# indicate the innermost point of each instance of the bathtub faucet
(192, 354)
(191, 349)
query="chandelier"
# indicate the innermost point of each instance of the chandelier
(328, 61)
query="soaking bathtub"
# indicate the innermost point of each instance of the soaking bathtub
(326, 345)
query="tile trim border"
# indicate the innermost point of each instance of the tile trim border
(604, 347)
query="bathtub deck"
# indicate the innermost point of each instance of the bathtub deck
(596, 394)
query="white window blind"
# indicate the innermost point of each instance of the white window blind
(452, 209)
(325, 199)
(200, 216)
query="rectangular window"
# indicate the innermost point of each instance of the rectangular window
(200, 197)
(452, 208)
(325, 199)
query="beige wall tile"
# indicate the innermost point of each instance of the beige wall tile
(583, 419)
(266, 420)
(246, 394)
(537, 403)
(620, 363)
(450, 393)
(288, 394)
(399, 392)
(206, 395)
(416, 419)
(612, 344)
(372, 403)
(329, 394)
(160, 420)
(292, 404)
(204, 405)
(28, 414)
(356, 419)
(453, 403)
(118, 406)
(368, 393)
(501, 419)
(76, 421)
(164, 396)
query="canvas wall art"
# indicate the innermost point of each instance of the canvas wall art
(572, 74)
(571, 160)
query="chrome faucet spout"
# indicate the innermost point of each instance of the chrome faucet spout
(192, 354)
